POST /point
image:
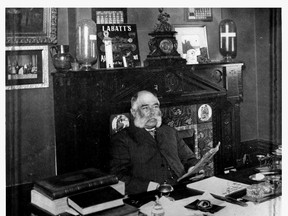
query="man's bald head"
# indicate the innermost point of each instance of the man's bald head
(141, 97)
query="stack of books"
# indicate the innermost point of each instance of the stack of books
(96, 200)
(81, 192)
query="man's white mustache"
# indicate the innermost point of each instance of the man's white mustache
(153, 118)
(140, 122)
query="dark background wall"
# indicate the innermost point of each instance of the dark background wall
(30, 135)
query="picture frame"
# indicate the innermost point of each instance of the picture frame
(31, 26)
(109, 15)
(192, 37)
(198, 14)
(26, 67)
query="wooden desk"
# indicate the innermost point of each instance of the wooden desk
(18, 199)
(183, 196)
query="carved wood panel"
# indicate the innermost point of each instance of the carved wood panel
(85, 100)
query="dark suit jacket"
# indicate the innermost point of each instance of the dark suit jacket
(137, 158)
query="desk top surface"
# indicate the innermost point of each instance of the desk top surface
(18, 200)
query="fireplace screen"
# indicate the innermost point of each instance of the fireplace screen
(194, 123)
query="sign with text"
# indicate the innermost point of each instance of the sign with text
(125, 49)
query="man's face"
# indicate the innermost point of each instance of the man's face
(146, 111)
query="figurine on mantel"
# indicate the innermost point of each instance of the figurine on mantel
(163, 25)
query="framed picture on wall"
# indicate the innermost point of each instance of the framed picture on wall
(198, 14)
(192, 42)
(26, 67)
(28, 26)
(109, 15)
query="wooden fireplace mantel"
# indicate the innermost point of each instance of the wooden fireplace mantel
(85, 100)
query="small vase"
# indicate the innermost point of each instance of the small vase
(61, 57)
(86, 53)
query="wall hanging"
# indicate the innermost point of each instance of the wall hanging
(26, 67)
(27, 26)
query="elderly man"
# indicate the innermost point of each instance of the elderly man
(148, 153)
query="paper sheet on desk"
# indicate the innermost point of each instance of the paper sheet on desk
(218, 186)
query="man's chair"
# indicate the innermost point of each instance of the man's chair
(194, 123)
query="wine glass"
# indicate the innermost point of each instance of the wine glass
(260, 158)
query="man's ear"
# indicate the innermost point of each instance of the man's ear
(133, 112)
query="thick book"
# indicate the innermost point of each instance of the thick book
(55, 207)
(125, 48)
(37, 211)
(74, 182)
(201, 163)
(96, 200)
(60, 205)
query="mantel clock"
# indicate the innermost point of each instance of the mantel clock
(163, 44)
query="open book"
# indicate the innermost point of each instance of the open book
(205, 159)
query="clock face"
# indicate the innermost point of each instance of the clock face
(166, 46)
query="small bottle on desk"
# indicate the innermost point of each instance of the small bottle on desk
(157, 209)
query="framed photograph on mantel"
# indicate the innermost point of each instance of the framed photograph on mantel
(198, 14)
(192, 42)
(109, 15)
(26, 67)
(31, 26)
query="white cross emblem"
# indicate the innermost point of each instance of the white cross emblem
(226, 35)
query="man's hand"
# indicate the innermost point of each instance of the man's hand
(152, 186)
(190, 169)
(200, 171)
